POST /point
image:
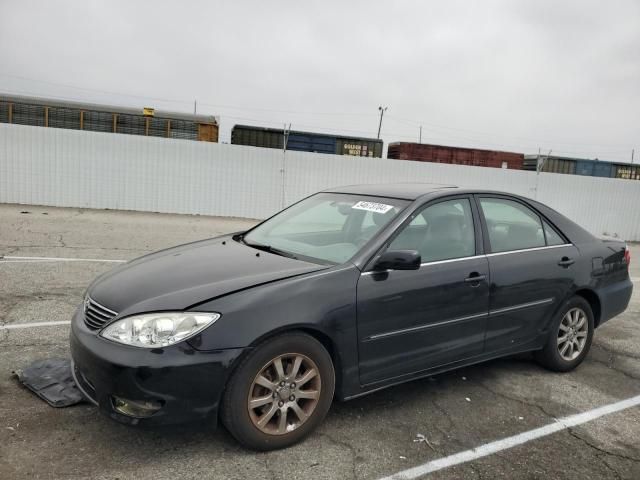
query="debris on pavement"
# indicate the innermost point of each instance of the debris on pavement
(420, 438)
(52, 381)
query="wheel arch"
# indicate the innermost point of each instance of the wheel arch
(594, 302)
(314, 332)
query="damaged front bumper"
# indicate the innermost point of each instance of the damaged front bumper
(132, 385)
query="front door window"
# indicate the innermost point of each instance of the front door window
(443, 231)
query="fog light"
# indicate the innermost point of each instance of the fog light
(135, 408)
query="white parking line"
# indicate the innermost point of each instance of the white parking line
(55, 259)
(15, 326)
(510, 442)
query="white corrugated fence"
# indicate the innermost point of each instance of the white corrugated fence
(71, 168)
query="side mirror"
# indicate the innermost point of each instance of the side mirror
(398, 260)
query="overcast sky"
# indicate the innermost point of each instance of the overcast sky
(512, 75)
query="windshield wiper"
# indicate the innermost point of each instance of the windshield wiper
(269, 248)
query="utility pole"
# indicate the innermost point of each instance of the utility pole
(543, 160)
(539, 165)
(285, 135)
(382, 110)
(633, 150)
(420, 138)
(195, 106)
(285, 139)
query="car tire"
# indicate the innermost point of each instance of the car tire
(570, 337)
(263, 389)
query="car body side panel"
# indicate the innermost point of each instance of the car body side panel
(410, 321)
(526, 289)
(322, 302)
(601, 268)
(614, 299)
(605, 272)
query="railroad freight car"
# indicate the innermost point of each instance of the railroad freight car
(423, 152)
(593, 168)
(43, 112)
(628, 171)
(583, 166)
(306, 141)
(551, 164)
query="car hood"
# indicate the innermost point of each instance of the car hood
(184, 276)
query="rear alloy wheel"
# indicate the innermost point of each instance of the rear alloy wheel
(572, 334)
(279, 393)
(570, 337)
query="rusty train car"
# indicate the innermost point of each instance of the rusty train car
(422, 152)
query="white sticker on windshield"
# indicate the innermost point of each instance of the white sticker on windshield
(373, 207)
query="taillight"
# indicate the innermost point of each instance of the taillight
(627, 255)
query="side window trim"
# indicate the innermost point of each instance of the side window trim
(555, 229)
(478, 226)
(544, 231)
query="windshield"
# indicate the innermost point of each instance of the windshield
(327, 227)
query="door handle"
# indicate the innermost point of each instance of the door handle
(475, 278)
(566, 262)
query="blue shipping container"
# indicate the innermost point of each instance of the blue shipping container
(584, 167)
(594, 168)
(311, 143)
(602, 169)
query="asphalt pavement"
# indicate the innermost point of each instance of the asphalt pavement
(372, 437)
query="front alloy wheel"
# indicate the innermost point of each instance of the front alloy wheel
(284, 394)
(280, 392)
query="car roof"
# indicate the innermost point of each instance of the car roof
(415, 191)
(404, 191)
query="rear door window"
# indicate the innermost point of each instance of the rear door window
(511, 225)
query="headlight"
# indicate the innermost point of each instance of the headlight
(153, 330)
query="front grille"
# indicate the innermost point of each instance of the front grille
(96, 315)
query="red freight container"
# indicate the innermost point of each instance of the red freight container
(422, 152)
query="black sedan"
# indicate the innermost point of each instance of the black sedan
(349, 291)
